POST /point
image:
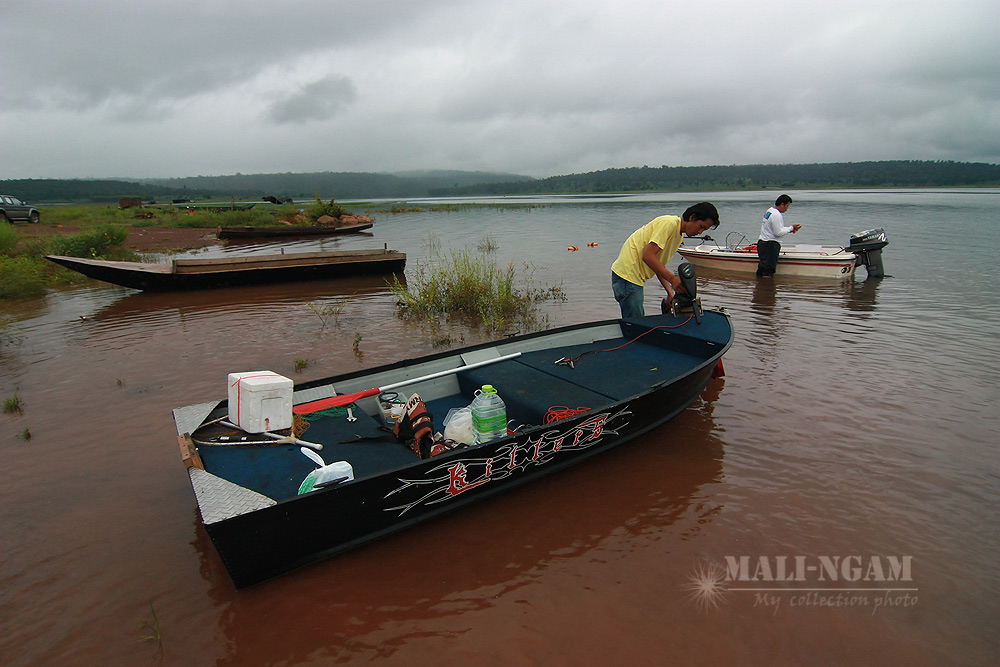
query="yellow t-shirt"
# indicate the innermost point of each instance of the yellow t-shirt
(664, 231)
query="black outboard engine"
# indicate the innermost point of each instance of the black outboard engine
(867, 246)
(687, 301)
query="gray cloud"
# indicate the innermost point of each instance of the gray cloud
(316, 101)
(539, 87)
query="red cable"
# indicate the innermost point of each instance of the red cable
(612, 349)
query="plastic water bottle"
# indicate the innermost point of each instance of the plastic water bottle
(489, 415)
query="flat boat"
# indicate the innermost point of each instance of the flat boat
(285, 231)
(570, 393)
(235, 271)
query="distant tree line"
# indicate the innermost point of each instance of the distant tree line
(51, 190)
(360, 185)
(250, 187)
(887, 174)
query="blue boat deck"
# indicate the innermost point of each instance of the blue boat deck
(604, 372)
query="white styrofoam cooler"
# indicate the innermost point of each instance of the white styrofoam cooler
(260, 401)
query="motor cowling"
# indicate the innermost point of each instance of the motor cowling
(686, 301)
(867, 247)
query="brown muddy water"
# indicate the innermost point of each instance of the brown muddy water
(833, 500)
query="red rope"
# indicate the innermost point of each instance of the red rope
(558, 412)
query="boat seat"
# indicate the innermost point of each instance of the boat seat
(533, 382)
(527, 392)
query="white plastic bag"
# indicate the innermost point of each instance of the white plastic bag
(458, 425)
(338, 470)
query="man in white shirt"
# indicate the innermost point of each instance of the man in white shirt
(772, 229)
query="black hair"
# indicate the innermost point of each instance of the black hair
(703, 211)
(783, 199)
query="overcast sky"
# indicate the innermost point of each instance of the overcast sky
(170, 88)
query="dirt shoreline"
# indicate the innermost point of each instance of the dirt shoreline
(142, 239)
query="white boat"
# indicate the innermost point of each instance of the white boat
(794, 260)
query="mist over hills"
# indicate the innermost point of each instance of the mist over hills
(439, 183)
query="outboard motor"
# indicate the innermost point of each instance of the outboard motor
(867, 247)
(687, 302)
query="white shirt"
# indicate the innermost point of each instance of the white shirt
(773, 227)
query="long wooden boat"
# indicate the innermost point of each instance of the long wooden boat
(210, 272)
(284, 231)
(570, 393)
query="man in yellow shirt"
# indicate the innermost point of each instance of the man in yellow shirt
(646, 252)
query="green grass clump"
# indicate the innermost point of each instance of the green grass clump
(152, 630)
(98, 242)
(22, 277)
(320, 208)
(8, 238)
(475, 288)
(13, 404)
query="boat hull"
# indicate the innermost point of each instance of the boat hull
(295, 531)
(815, 261)
(207, 273)
(290, 231)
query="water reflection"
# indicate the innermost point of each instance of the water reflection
(141, 304)
(863, 295)
(764, 296)
(352, 607)
(768, 296)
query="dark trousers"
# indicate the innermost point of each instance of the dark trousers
(767, 251)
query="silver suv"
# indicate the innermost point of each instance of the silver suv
(12, 208)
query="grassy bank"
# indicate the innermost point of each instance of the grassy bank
(97, 231)
(24, 272)
(100, 231)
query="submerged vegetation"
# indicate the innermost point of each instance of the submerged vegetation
(324, 311)
(151, 631)
(475, 288)
(13, 405)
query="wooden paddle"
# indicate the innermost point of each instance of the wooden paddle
(346, 399)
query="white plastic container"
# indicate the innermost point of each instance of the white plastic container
(391, 408)
(260, 401)
(489, 415)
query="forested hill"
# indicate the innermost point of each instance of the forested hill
(252, 187)
(347, 186)
(888, 174)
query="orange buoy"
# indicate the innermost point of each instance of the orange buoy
(573, 248)
(591, 245)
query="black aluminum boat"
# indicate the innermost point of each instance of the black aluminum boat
(570, 393)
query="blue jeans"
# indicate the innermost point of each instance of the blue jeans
(628, 295)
